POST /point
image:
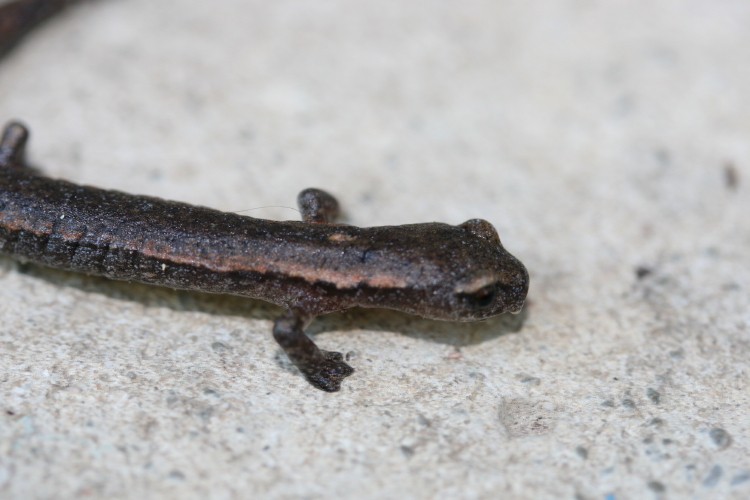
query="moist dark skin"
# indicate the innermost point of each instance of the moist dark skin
(312, 267)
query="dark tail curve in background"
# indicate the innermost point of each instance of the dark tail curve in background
(19, 17)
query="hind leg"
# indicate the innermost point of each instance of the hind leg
(317, 206)
(13, 145)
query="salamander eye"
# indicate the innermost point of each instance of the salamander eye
(482, 298)
(482, 229)
(478, 290)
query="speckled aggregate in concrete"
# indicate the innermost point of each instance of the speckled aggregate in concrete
(609, 142)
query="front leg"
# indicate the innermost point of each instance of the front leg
(323, 369)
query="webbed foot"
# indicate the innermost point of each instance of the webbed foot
(323, 369)
(329, 375)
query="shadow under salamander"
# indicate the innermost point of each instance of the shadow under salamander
(442, 332)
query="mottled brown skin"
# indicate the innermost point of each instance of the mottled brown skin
(313, 267)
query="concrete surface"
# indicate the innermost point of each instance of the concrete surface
(609, 142)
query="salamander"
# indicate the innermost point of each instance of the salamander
(309, 267)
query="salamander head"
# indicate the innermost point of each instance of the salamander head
(498, 283)
(471, 275)
(434, 270)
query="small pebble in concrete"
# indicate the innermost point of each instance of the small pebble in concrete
(676, 354)
(663, 156)
(731, 176)
(713, 476)
(653, 395)
(176, 475)
(218, 347)
(642, 271)
(720, 437)
(172, 399)
(205, 413)
(423, 420)
(741, 477)
(582, 452)
(657, 487)
(628, 403)
(454, 355)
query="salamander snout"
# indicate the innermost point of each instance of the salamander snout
(502, 288)
(515, 290)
